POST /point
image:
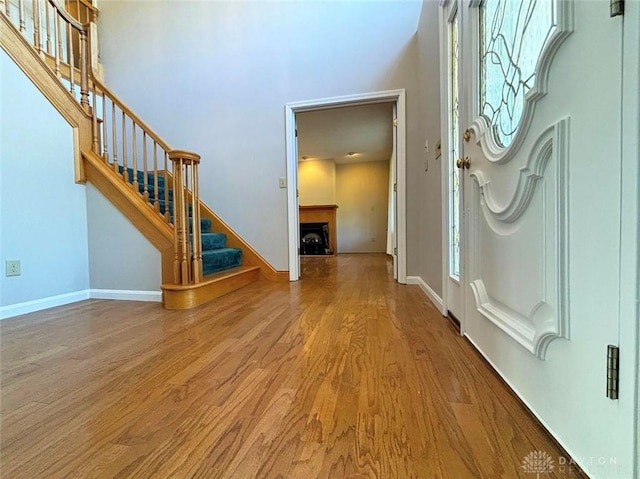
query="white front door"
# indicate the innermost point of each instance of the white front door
(542, 100)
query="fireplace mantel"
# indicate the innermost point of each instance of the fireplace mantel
(322, 214)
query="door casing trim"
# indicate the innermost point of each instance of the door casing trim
(389, 96)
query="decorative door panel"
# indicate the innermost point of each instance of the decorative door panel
(517, 194)
(517, 242)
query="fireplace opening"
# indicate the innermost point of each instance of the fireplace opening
(314, 239)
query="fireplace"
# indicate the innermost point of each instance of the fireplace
(323, 241)
(314, 239)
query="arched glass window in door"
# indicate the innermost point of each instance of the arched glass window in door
(512, 36)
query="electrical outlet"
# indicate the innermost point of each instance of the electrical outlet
(13, 267)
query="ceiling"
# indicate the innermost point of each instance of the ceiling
(330, 134)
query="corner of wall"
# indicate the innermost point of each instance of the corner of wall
(429, 292)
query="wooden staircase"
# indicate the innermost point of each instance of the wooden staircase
(110, 140)
(161, 235)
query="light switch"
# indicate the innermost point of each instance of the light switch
(282, 182)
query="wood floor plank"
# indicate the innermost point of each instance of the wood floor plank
(345, 374)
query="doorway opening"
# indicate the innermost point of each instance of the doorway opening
(395, 100)
(344, 159)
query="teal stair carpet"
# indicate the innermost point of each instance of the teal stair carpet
(215, 254)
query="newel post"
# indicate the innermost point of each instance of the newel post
(187, 264)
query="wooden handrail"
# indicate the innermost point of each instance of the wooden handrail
(67, 16)
(101, 88)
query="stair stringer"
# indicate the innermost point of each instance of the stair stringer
(28, 60)
(134, 207)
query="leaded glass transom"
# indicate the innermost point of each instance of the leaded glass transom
(512, 36)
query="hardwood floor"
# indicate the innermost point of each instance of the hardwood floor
(343, 374)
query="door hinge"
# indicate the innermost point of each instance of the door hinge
(395, 251)
(297, 193)
(395, 187)
(395, 122)
(616, 8)
(296, 133)
(613, 376)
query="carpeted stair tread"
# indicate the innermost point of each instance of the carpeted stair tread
(205, 223)
(220, 259)
(205, 227)
(216, 256)
(161, 204)
(150, 179)
(212, 241)
(151, 191)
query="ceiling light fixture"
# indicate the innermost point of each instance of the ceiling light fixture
(352, 153)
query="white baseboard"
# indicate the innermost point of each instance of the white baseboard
(431, 294)
(127, 295)
(68, 298)
(44, 303)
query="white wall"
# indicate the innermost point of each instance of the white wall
(317, 182)
(423, 178)
(362, 193)
(214, 77)
(120, 257)
(43, 220)
(71, 242)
